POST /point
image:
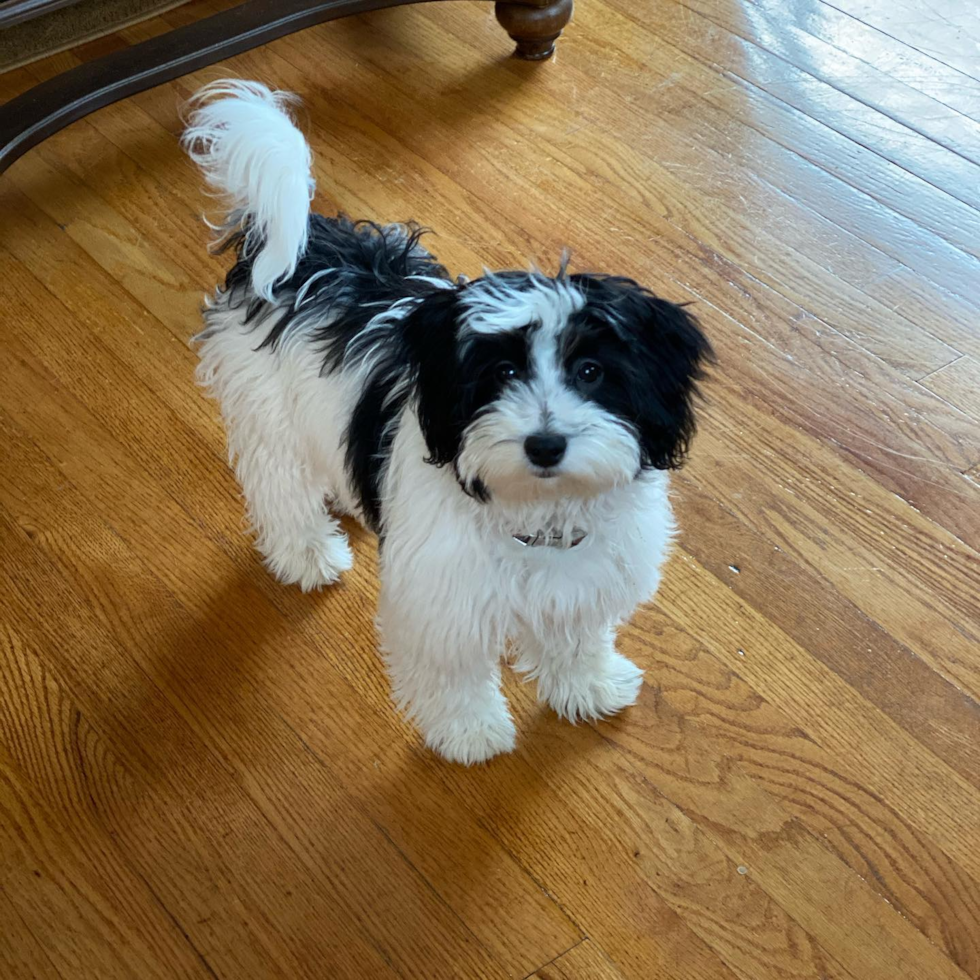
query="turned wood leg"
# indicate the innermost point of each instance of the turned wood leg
(534, 26)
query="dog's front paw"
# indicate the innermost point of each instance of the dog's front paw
(596, 692)
(473, 740)
(314, 564)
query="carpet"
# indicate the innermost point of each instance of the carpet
(71, 25)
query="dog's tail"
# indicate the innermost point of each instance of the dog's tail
(251, 152)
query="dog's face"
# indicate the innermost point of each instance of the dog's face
(536, 388)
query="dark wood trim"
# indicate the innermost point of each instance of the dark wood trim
(52, 105)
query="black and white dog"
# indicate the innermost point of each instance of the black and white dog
(507, 438)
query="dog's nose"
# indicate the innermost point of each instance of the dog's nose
(545, 449)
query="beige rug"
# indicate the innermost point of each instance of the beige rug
(72, 25)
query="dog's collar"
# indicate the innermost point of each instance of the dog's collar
(551, 539)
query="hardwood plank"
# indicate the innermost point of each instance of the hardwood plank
(901, 193)
(951, 318)
(577, 829)
(216, 864)
(583, 962)
(764, 24)
(647, 56)
(898, 60)
(949, 34)
(742, 815)
(661, 823)
(833, 715)
(704, 729)
(257, 912)
(689, 67)
(118, 246)
(848, 116)
(833, 630)
(708, 718)
(686, 66)
(719, 107)
(21, 955)
(15, 81)
(780, 856)
(77, 898)
(806, 515)
(959, 384)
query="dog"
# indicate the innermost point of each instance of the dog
(509, 439)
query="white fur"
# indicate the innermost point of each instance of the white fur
(456, 586)
(251, 152)
(493, 304)
(458, 590)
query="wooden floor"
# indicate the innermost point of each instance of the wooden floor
(200, 771)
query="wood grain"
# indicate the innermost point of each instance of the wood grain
(959, 384)
(200, 771)
(583, 962)
(22, 956)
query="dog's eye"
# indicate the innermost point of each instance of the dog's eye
(506, 371)
(589, 373)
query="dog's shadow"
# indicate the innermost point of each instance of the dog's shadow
(204, 666)
(213, 679)
(454, 824)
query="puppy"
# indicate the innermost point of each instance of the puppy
(508, 439)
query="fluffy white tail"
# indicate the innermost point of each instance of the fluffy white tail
(243, 139)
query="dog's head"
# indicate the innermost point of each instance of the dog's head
(535, 388)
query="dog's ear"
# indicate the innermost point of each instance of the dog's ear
(667, 353)
(676, 352)
(430, 335)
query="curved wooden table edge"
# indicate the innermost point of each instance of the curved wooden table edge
(47, 108)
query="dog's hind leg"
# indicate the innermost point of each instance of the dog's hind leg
(300, 540)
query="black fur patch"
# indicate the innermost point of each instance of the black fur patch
(351, 272)
(651, 351)
(361, 269)
(456, 382)
(652, 354)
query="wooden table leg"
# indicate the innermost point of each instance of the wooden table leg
(535, 27)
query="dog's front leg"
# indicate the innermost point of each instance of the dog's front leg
(444, 654)
(578, 669)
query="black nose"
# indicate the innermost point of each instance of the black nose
(544, 449)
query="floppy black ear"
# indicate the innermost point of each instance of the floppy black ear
(429, 333)
(675, 354)
(666, 356)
